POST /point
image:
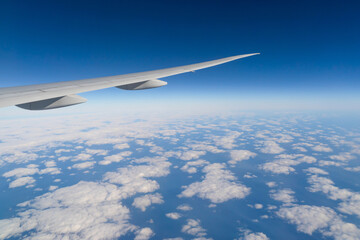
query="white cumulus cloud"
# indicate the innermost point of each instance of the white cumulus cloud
(249, 235)
(22, 182)
(115, 158)
(173, 215)
(144, 234)
(190, 167)
(271, 147)
(284, 195)
(21, 172)
(219, 185)
(145, 201)
(194, 228)
(240, 155)
(184, 207)
(284, 163)
(314, 170)
(322, 148)
(350, 201)
(86, 210)
(84, 165)
(309, 219)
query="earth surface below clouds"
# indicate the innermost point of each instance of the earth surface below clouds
(244, 176)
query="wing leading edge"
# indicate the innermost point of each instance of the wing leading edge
(61, 94)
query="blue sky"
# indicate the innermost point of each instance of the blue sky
(309, 49)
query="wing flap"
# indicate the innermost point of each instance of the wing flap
(52, 103)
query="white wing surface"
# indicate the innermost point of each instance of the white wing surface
(62, 94)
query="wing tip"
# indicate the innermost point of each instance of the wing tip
(243, 56)
(247, 55)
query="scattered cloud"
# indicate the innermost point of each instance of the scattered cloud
(84, 165)
(271, 184)
(144, 234)
(103, 215)
(86, 210)
(285, 162)
(100, 152)
(121, 146)
(249, 175)
(194, 228)
(271, 147)
(284, 195)
(248, 235)
(83, 157)
(219, 185)
(240, 155)
(309, 219)
(329, 163)
(52, 188)
(190, 155)
(350, 201)
(201, 146)
(314, 170)
(190, 167)
(16, 156)
(21, 172)
(134, 179)
(353, 169)
(322, 148)
(50, 170)
(173, 215)
(228, 141)
(184, 207)
(115, 158)
(50, 164)
(342, 157)
(22, 182)
(279, 166)
(301, 149)
(145, 201)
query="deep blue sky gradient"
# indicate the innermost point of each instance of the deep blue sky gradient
(309, 49)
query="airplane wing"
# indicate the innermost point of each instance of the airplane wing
(63, 94)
